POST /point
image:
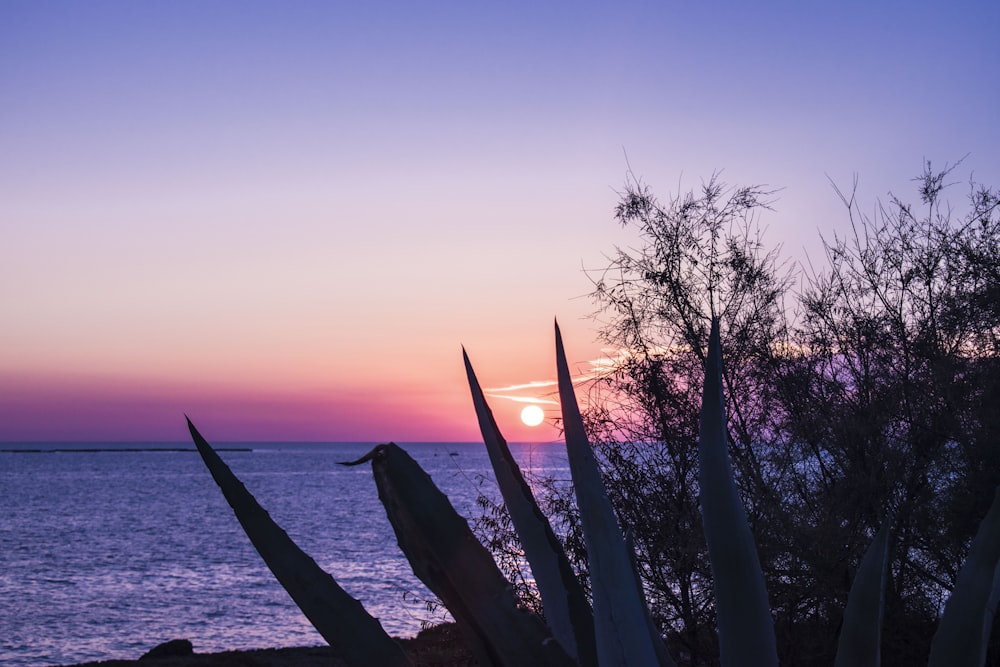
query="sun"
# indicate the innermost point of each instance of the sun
(532, 415)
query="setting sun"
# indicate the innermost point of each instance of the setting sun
(532, 415)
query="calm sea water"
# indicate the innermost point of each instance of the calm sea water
(104, 554)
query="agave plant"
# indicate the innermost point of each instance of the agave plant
(446, 556)
(566, 608)
(860, 640)
(617, 630)
(339, 618)
(746, 630)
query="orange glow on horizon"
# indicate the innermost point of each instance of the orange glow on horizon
(87, 407)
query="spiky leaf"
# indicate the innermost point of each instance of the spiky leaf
(621, 619)
(746, 629)
(566, 609)
(990, 614)
(446, 556)
(861, 634)
(342, 621)
(962, 631)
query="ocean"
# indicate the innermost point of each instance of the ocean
(107, 550)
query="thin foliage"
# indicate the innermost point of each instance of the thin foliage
(867, 391)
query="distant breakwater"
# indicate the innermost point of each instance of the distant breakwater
(92, 450)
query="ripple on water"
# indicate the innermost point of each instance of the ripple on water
(106, 554)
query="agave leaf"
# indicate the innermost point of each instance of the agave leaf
(621, 621)
(991, 612)
(446, 556)
(566, 609)
(342, 621)
(962, 631)
(746, 629)
(861, 635)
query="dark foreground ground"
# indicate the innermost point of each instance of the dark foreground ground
(438, 646)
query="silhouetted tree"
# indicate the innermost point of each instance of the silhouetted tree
(873, 392)
(701, 256)
(887, 401)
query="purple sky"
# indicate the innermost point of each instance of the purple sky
(285, 218)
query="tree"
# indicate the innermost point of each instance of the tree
(702, 256)
(887, 401)
(871, 391)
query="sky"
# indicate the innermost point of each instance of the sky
(286, 219)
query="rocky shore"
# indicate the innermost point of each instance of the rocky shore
(438, 646)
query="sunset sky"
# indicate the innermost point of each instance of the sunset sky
(285, 219)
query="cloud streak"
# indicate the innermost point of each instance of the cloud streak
(524, 399)
(528, 392)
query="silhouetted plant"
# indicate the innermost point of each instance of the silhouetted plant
(889, 404)
(862, 396)
(876, 398)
